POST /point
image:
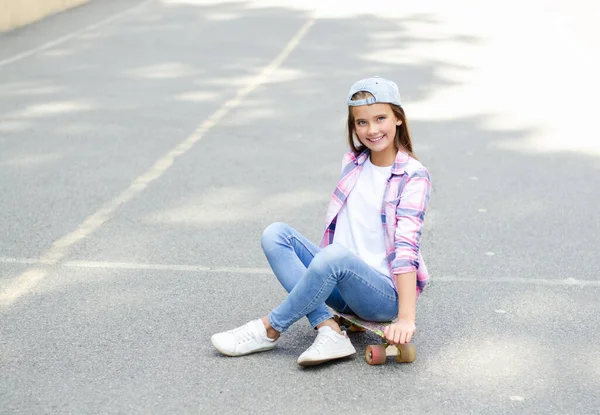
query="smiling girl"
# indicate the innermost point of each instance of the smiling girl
(369, 261)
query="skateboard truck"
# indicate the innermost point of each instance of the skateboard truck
(376, 354)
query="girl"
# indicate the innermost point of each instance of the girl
(369, 263)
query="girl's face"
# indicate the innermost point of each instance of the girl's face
(375, 127)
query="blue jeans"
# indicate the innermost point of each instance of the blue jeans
(314, 277)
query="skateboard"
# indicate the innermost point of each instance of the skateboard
(376, 354)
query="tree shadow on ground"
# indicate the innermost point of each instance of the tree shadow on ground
(69, 145)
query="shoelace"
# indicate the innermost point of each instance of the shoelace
(320, 341)
(243, 334)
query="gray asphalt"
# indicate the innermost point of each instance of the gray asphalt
(509, 324)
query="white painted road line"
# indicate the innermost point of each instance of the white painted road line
(70, 36)
(163, 267)
(261, 271)
(510, 280)
(134, 265)
(25, 282)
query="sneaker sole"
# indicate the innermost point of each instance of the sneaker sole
(305, 363)
(262, 349)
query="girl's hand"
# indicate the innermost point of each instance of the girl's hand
(400, 332)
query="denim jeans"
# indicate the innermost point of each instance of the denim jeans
(314, 277)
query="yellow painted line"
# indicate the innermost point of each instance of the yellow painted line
(72, 35)
(25, 282)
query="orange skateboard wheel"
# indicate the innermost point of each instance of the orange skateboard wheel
(375, 354)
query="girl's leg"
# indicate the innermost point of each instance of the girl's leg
(367, 292)
(289, 255)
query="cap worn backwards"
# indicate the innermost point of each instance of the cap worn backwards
(383, 91)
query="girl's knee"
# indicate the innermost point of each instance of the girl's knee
(273, 233)
(333, 254)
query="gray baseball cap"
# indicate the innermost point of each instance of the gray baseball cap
(383, 91)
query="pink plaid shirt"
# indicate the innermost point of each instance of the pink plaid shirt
(403, 209)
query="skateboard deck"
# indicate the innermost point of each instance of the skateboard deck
(377, 354)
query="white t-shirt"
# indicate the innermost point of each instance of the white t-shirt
(358, 225)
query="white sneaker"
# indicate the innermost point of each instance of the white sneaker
(327, 346)
(249, 338)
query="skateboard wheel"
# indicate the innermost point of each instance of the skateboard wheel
(375, 354)
(407, 353)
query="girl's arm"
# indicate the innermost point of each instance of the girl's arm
(402, 331)
(407, 296)
(410, 214)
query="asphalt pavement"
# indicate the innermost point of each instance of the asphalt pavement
(145, 145)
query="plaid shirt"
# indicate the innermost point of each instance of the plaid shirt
(403, 209)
